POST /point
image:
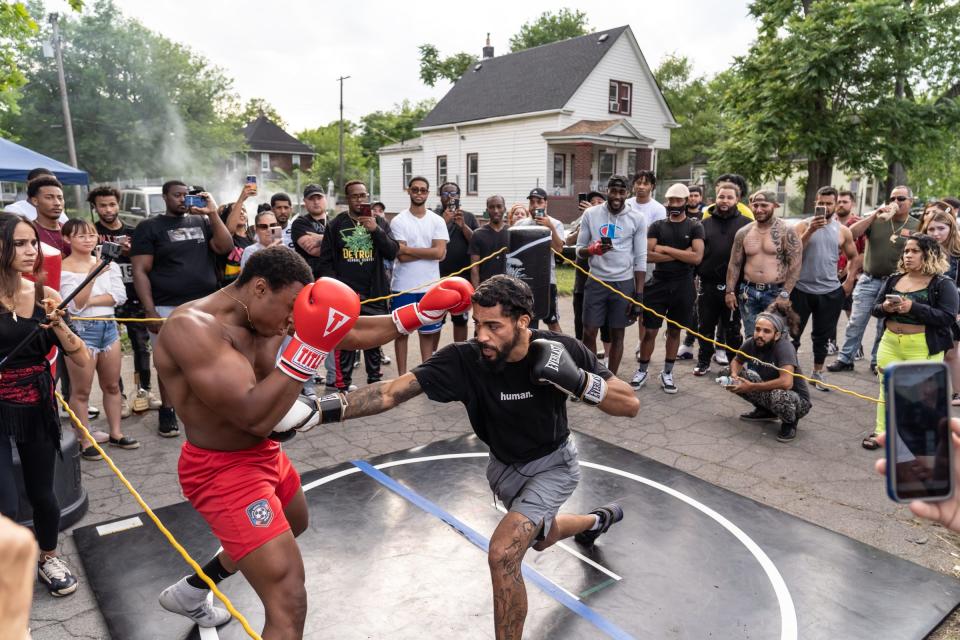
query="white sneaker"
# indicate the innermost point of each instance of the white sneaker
(193, 603)
(721, 358)
(639, 379)
(666, 382)
(685, 353)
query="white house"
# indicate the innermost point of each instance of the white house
(563, 116)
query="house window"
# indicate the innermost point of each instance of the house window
(620, 97)
(631, 163)
(607, 166)
(441, 170)
(782, 191)
(473, 174)
(407, 171)
(264, 162)
(559, 170)
(296, 160)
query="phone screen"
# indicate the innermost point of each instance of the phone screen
(819, 212)
(919, 451)
(365, 209)
(581, 197)
(276, 233)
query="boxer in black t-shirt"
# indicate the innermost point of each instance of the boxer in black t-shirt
(514, 383)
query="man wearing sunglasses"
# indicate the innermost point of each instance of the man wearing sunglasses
(886, 234)
(353, 251)
(268, 232)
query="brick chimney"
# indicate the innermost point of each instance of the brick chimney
(488, 50)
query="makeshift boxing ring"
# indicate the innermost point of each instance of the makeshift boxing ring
(690, 560)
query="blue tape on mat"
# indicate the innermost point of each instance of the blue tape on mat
(531, 574)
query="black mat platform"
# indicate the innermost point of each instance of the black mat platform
(690, 560)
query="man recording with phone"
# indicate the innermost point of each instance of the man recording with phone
(105, 201)
(353, 251)
(460, 227)
(173, 263)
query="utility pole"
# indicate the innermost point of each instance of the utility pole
(340, 175)
(67, 120)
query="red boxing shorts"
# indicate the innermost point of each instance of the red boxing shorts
(241, 494)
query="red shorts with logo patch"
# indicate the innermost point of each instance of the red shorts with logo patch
(241, 494)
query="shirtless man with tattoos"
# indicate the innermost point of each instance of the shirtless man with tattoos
(514, 382)
(767, 254)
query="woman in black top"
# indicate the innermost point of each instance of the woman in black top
(940, 222)
(919, 307)
(28, 413)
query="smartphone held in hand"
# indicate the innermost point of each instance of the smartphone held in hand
(276, 233)
(364, 210)
(252, 180)
(194, 201)
(819, 212)
(919, 450)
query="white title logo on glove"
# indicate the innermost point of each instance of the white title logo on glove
(335, 320)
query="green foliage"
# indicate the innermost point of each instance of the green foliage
(16, 28)
(380, 128)
(936, 173)
(141, 104)
(693, 101)
(254, 108)
(550, 26)
(433, 68)
(326, 142)
(856, 84)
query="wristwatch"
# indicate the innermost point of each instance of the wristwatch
(784, 293)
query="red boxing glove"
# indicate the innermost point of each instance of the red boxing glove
(323, 313)
(452, 294)
(597, 248)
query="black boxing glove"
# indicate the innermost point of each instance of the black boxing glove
(553, 365)
(309, 411)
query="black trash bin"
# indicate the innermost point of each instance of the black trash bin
(66, 484)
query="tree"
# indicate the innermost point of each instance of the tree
(254, 108)
(380, 128)
(693, 101)
(141, 104)
(433, 68)
(325, 141)
(550, 27)
(863, 86)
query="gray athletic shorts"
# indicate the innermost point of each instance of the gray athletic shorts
(537, 489)
(603, 307)
(163, 312)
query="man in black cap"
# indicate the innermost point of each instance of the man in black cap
(460, 226)
(538, 215)
(306, 231)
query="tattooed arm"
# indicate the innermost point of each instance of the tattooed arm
(381, 396)
(793, 254)
(737, 256)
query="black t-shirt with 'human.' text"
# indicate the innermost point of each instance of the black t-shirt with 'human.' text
(679, 235)
(183, 264)
(520, 421)
(485, 241)
(779, 354)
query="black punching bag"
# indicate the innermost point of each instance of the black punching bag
(529, 259)
(66, 484)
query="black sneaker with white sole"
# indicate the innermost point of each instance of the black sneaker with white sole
(788, 432)
(609, 515)
(56, 576)
(168, 427)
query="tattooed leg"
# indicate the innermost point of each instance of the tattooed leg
(564, 526)
(508, 545)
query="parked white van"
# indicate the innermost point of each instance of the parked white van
(139, 203)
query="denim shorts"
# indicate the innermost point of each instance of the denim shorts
(98, 335)
(408, 298)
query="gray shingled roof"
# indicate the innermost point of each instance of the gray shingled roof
(537, 79)
(264, 135)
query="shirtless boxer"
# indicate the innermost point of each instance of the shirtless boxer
(217, 356)
(768, 253)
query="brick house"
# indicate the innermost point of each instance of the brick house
(563, 116)
(270, 148)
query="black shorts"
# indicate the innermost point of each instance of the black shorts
(602, 307)
(458, 319)
(673, 298)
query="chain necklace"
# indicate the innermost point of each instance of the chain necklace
(896, 232)
(249, 321)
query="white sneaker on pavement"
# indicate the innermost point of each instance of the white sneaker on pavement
(666, 383)
(721, 357)
(685, 352)
(193, 603)
(639, 379)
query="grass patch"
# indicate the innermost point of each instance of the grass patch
(565, 277)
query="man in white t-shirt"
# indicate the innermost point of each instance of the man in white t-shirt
(644, 184)
(422, 236)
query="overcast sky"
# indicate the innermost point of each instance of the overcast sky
(291, 53)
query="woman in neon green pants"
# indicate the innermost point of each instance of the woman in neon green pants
(919, 305)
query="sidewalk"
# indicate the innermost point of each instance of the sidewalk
(824, 476)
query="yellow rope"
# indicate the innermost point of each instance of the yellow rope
(711, 340)
(166, 532)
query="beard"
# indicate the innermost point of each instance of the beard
(499, 361)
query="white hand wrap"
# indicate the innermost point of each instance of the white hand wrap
(309, 411)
